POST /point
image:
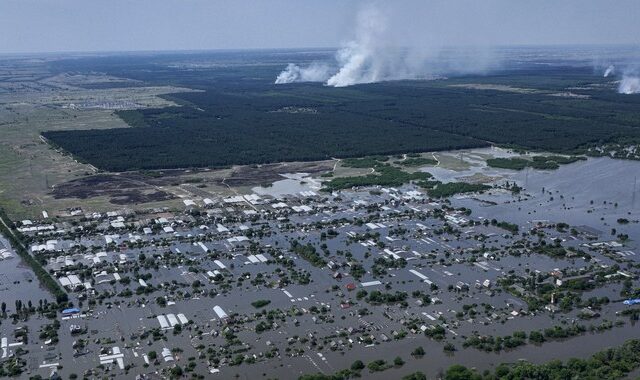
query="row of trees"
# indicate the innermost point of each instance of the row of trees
(610, 364)
(43, 276)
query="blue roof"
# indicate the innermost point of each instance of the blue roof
(71, 310)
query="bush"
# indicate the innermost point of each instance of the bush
(357, 365)
(260, 303)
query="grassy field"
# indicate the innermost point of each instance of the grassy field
(35, 177)
(33, 103)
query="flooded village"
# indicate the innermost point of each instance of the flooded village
(285, 279)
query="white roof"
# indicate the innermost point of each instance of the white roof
(172, 320)
(235, 199)
(219, 312)
(236, 239)
(163, 322)
(74, 279)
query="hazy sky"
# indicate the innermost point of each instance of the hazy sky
(124, 25)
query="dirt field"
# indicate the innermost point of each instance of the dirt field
(31, 101)
(265, 174)
(119, 189)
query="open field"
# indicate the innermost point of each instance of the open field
(35, 101)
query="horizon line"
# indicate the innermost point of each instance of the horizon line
(221, 50)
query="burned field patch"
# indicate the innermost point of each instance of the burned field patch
(120, 189)
(266, 174)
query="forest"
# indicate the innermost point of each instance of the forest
(241, 117)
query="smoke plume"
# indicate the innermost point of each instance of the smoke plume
(629, 85)
(627, 75)
(364, 60)
(315, 72)
(610, 70)
(382, 51)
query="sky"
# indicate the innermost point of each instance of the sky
(29, 26)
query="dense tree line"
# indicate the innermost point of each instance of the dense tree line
(610, 364)
(241, 117)
(308, 252)
(43, 276)
(538, 162)
(385, 175)
(443, 190)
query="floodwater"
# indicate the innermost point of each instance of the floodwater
(466, 163)
(435, 362)
(595, 193)
(578, 195)
(567, 196)
(292, 184)
(17, 281)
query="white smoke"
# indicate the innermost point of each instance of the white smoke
(315, 72)
(364, 60)
(629, 85)
(379, 52)
(610, 70)
(628, 77)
